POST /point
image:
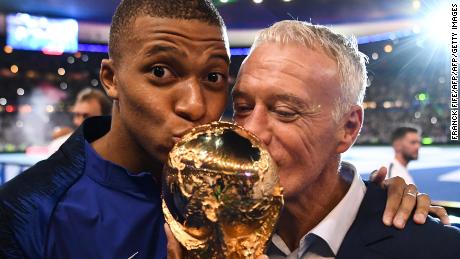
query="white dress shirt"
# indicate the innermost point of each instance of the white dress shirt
(397, 169)
(57, 143)
(324, 240)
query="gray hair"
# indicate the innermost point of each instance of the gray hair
(351, 62)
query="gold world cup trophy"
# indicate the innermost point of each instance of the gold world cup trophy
(221, 192)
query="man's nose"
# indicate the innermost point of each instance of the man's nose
(191, 104)
(258, 123)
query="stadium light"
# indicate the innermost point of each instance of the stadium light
(14, 69)
(437, 24)
(9, 108)
(20, 91)
(375, 56)
(427, 141)
(70, 60)
(388, 48)
(422, 97)
(8, 49)
(61, 71)
(416, 4)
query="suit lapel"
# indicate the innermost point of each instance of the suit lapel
(368, 237)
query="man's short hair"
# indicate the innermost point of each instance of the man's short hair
(88, 94)
(401, 132)
(351, 63)
(128, 10)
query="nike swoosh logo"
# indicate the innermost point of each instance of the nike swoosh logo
(132, 256)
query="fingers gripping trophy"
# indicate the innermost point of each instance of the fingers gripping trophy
(221, 192)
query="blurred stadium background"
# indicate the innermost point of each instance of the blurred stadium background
(407, 42)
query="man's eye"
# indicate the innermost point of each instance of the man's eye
(240, 108)
(286, 114)
(215, 77)
(159, 71)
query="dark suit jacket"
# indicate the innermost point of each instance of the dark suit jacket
(28, 201)
(369, 238)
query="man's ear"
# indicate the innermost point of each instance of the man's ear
(350, 126)
(108, 78)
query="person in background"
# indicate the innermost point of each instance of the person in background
(89, 102)
(406, 144)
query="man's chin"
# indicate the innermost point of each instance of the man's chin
(160, 156)
(409, 158)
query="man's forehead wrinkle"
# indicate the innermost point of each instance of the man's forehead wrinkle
(162, 48)
(169, 46)
(199, 37)
(257, 69)
(183, 34)
(154, 34)
(157, 26)
(166, 48)
(272, 62)
(279, 63)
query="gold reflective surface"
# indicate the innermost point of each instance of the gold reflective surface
(221, 192)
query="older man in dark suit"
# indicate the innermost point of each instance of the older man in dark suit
(300, 90)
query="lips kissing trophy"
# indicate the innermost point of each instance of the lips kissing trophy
(221, 192)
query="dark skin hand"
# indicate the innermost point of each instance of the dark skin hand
(174, 248)
(402, 199)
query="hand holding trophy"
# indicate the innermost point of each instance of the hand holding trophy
(221, 192)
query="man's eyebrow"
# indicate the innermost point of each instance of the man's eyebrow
(240, 94)
(288, 98)
(219, 56)
(292, 99)
(157, 49)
